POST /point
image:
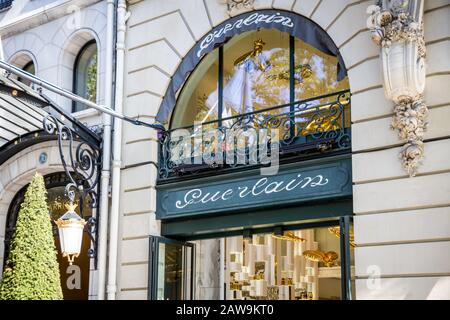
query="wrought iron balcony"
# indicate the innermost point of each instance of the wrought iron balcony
(307, 128)
(5, 4)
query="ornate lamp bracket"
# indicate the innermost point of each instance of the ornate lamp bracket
(397, 27)
(83, 168)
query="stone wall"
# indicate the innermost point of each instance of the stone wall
(402, 224)
(53, 46)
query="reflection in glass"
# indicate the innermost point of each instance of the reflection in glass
(191, 104)
(252, 63)
(319, 114)
(85, 76)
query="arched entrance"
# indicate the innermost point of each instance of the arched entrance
(75, 278)
(232, 230)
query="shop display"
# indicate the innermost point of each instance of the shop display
(337, 232)
(281, 266)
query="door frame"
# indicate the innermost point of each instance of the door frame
(154, 242)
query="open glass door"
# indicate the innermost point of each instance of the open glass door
(171, 269)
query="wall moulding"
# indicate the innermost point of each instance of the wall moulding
(397, 27)
(239, 4)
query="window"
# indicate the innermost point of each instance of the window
(85, 74)
(258, 87)
(5, 4)
(29, 67)
(254, 71)
(299, 264)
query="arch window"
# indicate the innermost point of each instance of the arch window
(251, 88)
(252, 72)
(30, 68)
(85, 74)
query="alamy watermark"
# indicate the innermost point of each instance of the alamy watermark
(233, 146)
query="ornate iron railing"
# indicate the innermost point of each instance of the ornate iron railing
(314, 126)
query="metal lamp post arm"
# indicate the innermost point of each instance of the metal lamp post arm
(66, 93)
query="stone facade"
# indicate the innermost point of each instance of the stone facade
(384, 195)
(52, 44)
(401, 224)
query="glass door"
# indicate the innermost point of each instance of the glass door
(171, 269)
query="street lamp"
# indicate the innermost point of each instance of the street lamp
(70, 229)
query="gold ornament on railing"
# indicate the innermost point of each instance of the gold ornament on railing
(322, 124)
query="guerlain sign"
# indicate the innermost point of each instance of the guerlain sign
(251, 191)
(260, 188)
(284, 21)
(259, 19)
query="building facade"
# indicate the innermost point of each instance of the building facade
(346, 100)
(51, 48)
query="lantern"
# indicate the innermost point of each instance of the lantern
(70, 229)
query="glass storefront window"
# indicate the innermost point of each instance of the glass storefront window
(315, 75)
(294, 265)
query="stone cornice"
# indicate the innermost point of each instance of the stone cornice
(10, 26)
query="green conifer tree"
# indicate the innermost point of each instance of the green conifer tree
(31, 271)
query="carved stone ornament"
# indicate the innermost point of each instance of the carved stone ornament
(397, 27)
(410, 122)
(239, 4)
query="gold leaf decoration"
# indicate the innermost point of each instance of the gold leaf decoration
(289, 236)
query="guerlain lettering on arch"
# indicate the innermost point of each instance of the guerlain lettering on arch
(260, 188)
(256, 18)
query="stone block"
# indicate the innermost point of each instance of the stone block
(411, 288)
(395, 227)
(403, 259)
(402, 194)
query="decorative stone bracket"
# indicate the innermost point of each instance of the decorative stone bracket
(397, 26)
(239, 4)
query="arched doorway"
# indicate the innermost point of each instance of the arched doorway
(75, 278)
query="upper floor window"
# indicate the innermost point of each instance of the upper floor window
(5, 4)
(260, 89)
(85, 74)
(30, 68)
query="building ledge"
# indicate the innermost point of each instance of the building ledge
(22, 22)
